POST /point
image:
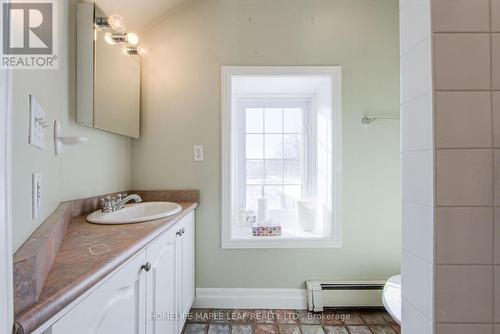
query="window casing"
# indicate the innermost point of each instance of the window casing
(270, 150)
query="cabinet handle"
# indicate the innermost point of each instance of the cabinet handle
(183, 231)
(179, 233)
(146, 267)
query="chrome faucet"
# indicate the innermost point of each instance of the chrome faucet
(110, 204)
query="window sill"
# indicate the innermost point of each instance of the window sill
(242, 239)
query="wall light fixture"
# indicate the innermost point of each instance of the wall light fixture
(116, 34)
(114, 22)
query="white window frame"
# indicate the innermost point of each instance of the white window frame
(257, 101)
(229, 162)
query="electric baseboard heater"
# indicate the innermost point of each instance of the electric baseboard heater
(322, 294)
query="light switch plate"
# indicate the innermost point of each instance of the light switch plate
(37, 124)
(36, 193)
(198, 153)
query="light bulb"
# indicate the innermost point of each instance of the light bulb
(116, 22)
(132, 38)
(142, 51)
(108, 37)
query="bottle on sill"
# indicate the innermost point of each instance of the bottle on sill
(250, 219)
(245, 218)
(262, 209)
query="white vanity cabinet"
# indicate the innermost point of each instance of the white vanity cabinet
(161, 300)
(151, 294)
(117, 306)
(170, 280)
(186, 279)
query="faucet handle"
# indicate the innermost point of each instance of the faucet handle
(106, 204)
(105, 200)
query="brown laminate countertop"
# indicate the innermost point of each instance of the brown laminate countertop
(89, 253)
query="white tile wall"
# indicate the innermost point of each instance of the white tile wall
(417, 123)
(466, 73)
(417, 177)
(415, 24)
(416, 71)
(417, 167)
(402, 3)
(465, 294)
(417, 280)
(417, 226)
(414, 322)
(464, 329)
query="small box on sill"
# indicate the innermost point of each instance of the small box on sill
(266, 230)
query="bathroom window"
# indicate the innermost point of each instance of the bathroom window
(273, 153)
(281, 157)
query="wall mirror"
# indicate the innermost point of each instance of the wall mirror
(108, 72)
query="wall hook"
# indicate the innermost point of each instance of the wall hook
(62, 143)
(367, 120)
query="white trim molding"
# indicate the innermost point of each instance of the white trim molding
(297, 80)
(6, 279)
(251, 298)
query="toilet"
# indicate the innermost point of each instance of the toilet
(391, 297)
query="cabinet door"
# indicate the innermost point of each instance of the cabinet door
(117, 306)
(187, 264)
(161, 282)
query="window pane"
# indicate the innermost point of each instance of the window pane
(322, 164)
(292, 194)
(252, 194)
(274, 146)
(292, 172)
(255, 171)
(323, 189)
(274, 157)
(292, 120)
(322, 129)
(254, 147)
(274, 172)
(254, 120)
(273, 195)
(292, 146)
(273, 120)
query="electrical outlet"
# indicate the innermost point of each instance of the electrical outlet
(36, 193)
(198, 153)
(37, 124)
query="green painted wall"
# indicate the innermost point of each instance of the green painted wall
(98, 167)
(181, 106)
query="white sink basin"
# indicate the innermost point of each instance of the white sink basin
(135, 213)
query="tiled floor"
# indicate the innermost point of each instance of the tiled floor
(372, 321)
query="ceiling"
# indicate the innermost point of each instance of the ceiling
(140, 14)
